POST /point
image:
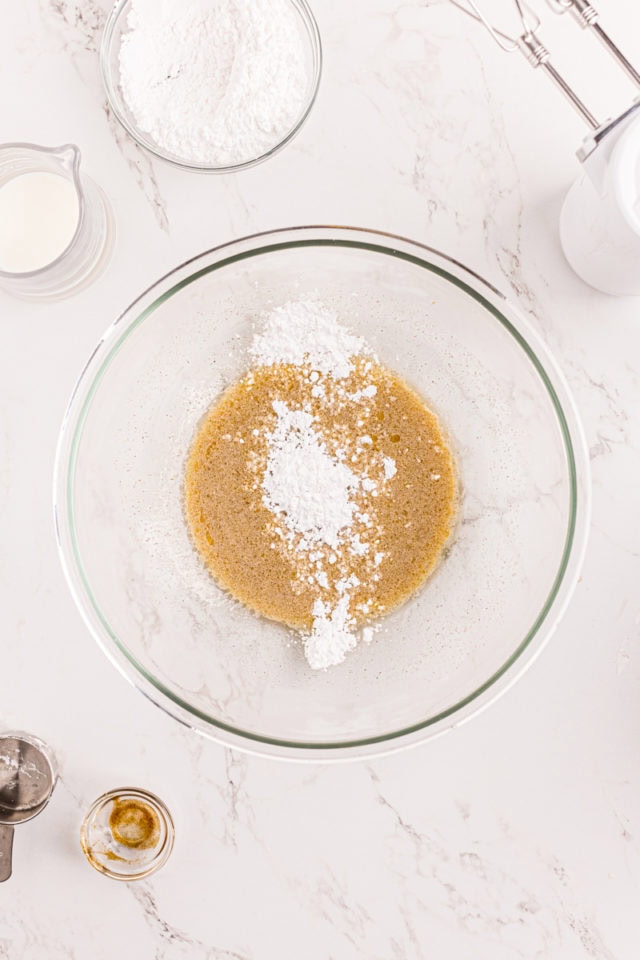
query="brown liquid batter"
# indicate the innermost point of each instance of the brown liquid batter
(405, 522)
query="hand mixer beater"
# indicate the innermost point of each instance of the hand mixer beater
(600, 218)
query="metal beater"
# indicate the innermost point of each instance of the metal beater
(529, 43)
(600, 218)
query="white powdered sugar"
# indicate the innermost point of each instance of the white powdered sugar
(311, 492)
(217, 82)
(390, 468)
(332, 636)
(307, 332)
(304, 483)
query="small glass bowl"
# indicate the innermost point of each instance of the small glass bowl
(127, 834)
(116, 25)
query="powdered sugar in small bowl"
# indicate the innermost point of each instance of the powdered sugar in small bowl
(211, 85)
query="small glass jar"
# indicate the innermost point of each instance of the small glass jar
(88, 249)
(127, 834)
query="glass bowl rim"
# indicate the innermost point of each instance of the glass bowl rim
(567, 418)
(114, 98)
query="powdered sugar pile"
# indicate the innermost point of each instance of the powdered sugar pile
(216, 82)
(314, 495)
(332, 636)
(307, 332)
(304, 482)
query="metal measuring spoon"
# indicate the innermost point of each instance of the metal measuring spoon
(27, 779)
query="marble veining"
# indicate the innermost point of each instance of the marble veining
(513, 837)
(141, 167)
(79, 23)
(78, 26)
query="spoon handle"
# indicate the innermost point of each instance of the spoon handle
(6, 844)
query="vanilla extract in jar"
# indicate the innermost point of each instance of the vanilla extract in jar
(127, 834)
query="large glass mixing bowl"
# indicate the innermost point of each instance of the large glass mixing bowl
(442, 656)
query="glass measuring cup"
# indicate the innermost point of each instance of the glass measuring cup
(88, 249)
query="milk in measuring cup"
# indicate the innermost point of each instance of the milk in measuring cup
(39, 215)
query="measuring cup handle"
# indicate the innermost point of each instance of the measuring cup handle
(6, 845)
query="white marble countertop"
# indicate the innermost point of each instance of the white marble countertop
(517, 836)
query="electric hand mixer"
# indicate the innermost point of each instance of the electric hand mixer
(600, 218)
